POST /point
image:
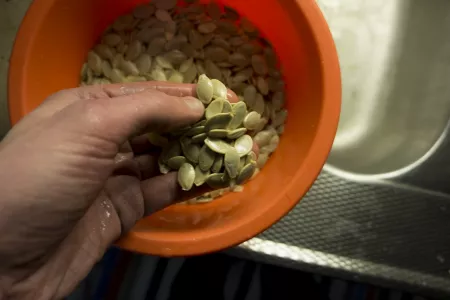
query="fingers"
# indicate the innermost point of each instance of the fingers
(160, 192)
(116, 119)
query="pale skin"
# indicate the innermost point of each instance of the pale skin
(76, 175)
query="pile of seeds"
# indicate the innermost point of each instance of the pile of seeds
(177, 42)
(215, 150)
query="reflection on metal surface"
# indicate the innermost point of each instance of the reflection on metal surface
(380, 210)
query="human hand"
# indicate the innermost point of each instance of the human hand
(71, 183)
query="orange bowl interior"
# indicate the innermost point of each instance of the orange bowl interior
(52, 45)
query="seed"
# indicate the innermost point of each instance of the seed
(111, 39)
(218, 55)
(129, 68)
(231, 13)
(204, 89)
(246, 173)
(207, 27)
(158, 74)
(157, 139)
(186, 176)
(123, 22)
(219, 89)
(163, 62)
(135, 79)
(217, 145)
(262, 160)
(231, 162)
(252, 119)
(200, 176)
(250, 95)
(173, 149)
(262, 138)
(163, 169)
(104, 51)
(176, 162)
(149, 34)
(143, 11)
(220, 42)
(217, 180)
(218, 133)
(163, 15)
(199, 138)
(219, 121)
(259, 106)
(190, 74)
(251, 157)
(262, 85)
(243, 145)
(195, 130)
(280, 118)
(176, 77)
(280, 129)
(268, 149)
(239, 113)
(186, 65)
(218, 163)
(214, 108)
(239, 59)
(156, 46)
(116, 76)
(94, 62)
(206, 158)
(196, 39)
(191, 151)
(226, 107)
(212, 70)
(143, 63)
(278, 100)
(236, 133)
(134, 50)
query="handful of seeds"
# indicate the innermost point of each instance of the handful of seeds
(216, 150)
(190, 42)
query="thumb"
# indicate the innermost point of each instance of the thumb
(115, 119)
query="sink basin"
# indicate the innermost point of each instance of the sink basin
(395, 60)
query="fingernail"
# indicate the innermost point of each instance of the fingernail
(194, 103)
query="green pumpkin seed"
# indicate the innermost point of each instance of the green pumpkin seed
(144, 63)
(219, 89)
(163, 62)
(217, 180)
(226, 107)
(176, 162)
(214, 108)
(200, 176)
(278, 100)
(243, 145)
(259, 106)
(219, 121)
(236, 133)
(163, 15)
(246, 173)
(186, 176)
(217, 145)
(171, 150)
(129, 68)
(262, 138)
(191, 74)
(199, 123)
(213, 70)
(239, 113)
(207, 27)
(156, 46)
(218, 133)
(191, 151)
(262, 160)
(206, 158)
(251, 157)
(163, 168)
(157, 139)
(197, 129)
(158, 74)
(252, 120)
(186, 65)
(94, 62)
(231, 162)
(176, 77)
(104, 51)
(280, 118)
(196, 39)
(218, 164)
(111, 39)
(250, 95)
(199, 138)
(263, 86)
(204, 89)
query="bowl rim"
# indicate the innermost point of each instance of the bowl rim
(314, 160)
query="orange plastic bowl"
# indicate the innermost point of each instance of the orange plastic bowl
(52, 45)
